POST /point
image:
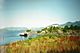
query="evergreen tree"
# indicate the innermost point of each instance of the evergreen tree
(65, 29)
(71, 27)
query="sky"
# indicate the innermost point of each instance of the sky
(38, 13)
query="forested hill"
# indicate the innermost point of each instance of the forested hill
(77, 23)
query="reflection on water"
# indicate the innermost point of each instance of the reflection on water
(10, 36)
(1, 40)
(6, 40)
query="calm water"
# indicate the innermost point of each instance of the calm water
(9, 36)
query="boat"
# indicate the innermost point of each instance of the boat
(23, 34)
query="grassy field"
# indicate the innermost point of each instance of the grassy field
(46, 44)
(49, 40)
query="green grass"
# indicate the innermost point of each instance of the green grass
(46, 44)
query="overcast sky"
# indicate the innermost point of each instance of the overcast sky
(38, 13)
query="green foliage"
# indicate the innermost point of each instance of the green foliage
(71, 27)
(28, 30)
(50, 29)
(65, 29)
(75, 27)
(38, 31)
(44, 29)
(30, 38)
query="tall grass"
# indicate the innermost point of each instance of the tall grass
(46, 44)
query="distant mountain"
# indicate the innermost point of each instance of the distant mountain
(11, 31)
(72, 23)
(77, 23)
(15, 28)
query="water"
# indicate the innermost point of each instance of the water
(10, 36)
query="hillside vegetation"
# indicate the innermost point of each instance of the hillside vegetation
(46, 44)
(53, 40)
